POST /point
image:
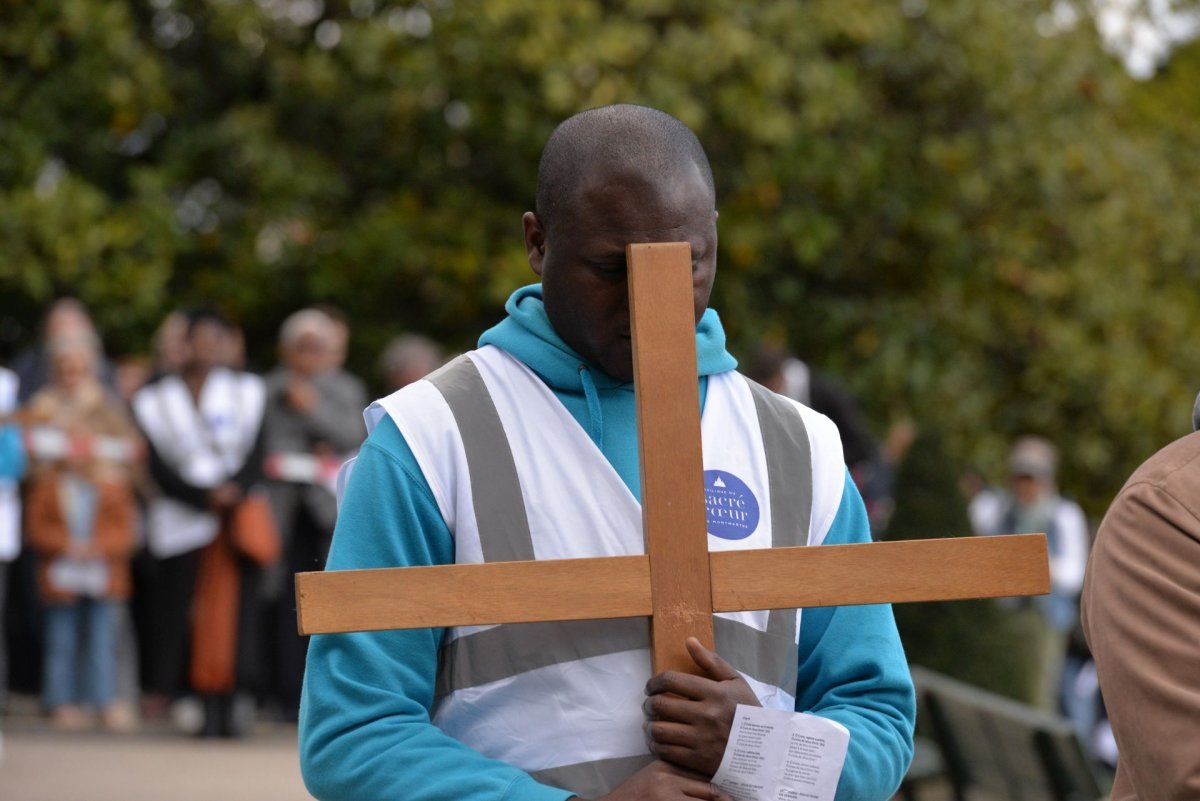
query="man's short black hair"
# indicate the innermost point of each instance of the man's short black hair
(646, 139)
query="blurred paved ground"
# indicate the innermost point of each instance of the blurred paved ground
(40, 764)
(157, 764)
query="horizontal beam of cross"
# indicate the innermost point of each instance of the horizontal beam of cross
(619, 586)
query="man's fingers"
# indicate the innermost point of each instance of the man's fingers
(690, 783)
(706, 791)
(667, 733)
(674, 755)
(687, 765)
(673, 708)
(710, 661)
(715, 793)
(696, 688)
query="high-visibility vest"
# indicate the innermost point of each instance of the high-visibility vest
(516, 477)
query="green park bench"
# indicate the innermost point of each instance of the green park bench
(991, 747)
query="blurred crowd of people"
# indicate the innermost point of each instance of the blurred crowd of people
(153, 514)
(154, 511)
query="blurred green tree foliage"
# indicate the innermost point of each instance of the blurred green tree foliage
(966, 213)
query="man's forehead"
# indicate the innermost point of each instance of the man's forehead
(619, 198)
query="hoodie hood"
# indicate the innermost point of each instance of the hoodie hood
(526, 333)
(603, 406)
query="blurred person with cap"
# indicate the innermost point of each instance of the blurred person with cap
(1033, 505)
(313, 423)
(1141, 614)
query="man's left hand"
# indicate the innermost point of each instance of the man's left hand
(689, 717)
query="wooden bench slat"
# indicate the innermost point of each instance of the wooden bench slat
(1002, 747)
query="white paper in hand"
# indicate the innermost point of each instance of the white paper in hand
(774, 755)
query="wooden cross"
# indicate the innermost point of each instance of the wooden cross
(677, 583)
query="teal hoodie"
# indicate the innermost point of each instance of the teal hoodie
(365, 730)
(603, 405)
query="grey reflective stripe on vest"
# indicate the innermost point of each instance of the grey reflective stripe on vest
(789, 466)
(769, 657)
(495, 487)
(789, 474)
(593, 779)
(504, 651)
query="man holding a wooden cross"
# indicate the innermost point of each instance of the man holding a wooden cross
(526, 449)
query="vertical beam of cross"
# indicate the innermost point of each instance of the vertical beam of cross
(668, 412)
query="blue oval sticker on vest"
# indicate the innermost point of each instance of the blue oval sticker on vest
(731, 507)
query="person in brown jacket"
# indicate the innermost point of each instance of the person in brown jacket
(79, 519)
(1141, 615)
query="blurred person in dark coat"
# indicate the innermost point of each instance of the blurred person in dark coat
(313, 424)
(871, 467)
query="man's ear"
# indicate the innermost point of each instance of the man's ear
(535, 241)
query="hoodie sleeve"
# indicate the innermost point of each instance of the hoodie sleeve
(365, 729)
(852, 669)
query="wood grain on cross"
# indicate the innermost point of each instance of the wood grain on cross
(677, 582)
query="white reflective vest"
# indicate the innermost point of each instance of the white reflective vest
(516, 477)
(206, 441)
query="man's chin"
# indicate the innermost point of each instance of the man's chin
(626, 377)
(619, 365)
(618, 372)
(615, 363)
